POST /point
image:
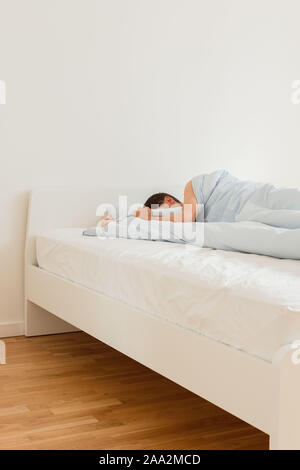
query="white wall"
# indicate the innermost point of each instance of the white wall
(102, 91)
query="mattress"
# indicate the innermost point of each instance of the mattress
(249, 302)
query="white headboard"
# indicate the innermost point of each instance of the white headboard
(59, 207)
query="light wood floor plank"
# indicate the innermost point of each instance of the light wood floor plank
(71, 391)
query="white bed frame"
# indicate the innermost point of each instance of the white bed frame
(2, 353)
(265, 395)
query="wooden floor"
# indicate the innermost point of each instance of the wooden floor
(71, 391)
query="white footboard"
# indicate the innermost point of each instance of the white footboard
(285, 426)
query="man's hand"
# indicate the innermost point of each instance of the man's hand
(105, 221)
(143, 213)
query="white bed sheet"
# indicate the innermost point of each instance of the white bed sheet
(247, 301)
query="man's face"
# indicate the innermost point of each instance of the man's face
(170, 202)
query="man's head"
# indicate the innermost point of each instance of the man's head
(162, 200)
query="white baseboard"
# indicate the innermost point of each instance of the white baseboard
(11, 329)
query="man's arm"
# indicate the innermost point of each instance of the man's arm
(190, 202)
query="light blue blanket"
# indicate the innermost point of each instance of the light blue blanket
(284, 218)
(253, 237)
(224, 196)
(247, 237)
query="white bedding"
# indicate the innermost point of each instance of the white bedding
(247, 301)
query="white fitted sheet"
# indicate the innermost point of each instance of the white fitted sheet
(247, 301)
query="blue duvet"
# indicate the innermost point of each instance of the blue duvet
(224, 196)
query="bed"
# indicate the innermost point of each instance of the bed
(224, 325)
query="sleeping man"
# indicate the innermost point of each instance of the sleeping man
(217, 197)
(232, 215)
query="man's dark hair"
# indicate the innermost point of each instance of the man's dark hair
(158, 199)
